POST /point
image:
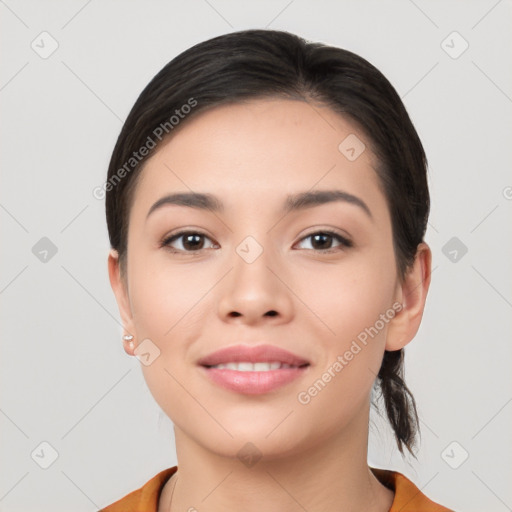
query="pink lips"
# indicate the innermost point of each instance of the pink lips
(253, 382)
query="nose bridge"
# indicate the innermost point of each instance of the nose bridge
(253, 290)
(250, 249)
(251, 259)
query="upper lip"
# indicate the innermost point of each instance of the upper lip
(252, 354)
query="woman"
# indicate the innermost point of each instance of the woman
(266, 203)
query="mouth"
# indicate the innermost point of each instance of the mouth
(253, 369)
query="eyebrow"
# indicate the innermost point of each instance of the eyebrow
(295, 202)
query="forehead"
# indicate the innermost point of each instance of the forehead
(268, 147)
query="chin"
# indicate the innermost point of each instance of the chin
(250, 442)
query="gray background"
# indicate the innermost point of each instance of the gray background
(65, 379)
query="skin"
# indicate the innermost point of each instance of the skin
(252, 156)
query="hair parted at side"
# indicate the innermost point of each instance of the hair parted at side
(260, 63)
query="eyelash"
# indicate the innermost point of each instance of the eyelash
(345, 243)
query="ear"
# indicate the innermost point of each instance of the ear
(411, 295)
(120, 289)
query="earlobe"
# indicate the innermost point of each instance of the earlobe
(411, 295)
(123, 302)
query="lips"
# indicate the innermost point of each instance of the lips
(252, 354)
(253, 370)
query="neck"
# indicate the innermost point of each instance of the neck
(330, 476)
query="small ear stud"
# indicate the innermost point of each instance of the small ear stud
(129, 338)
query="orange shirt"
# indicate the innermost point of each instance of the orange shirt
(408, 498)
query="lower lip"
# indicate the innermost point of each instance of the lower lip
(254, 383)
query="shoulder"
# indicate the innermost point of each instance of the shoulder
(144, 499)
(408, 498)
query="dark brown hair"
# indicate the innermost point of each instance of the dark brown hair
(252, 64)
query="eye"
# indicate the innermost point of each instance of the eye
(193, 241)
(321, 240)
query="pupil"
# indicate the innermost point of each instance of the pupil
(192, 245)
(321, 235)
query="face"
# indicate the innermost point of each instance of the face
(315, 280)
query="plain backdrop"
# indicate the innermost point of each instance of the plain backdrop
(73, 401)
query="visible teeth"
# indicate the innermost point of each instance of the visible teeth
(252, 367)
(264, 367)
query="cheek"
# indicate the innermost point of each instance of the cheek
(351, 295)
(170, 307)
(341, 382)
(355, 302)
(164, 295)
(170, 304)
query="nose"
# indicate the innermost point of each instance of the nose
(254, 291)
